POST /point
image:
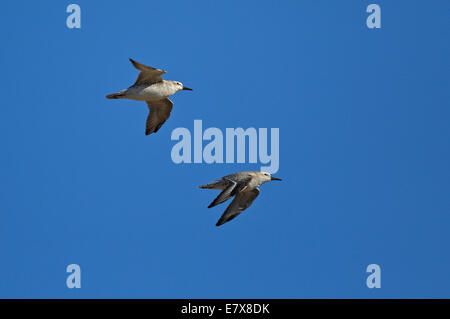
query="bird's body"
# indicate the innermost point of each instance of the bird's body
(150, 87)
(157, 91)
(244, 186)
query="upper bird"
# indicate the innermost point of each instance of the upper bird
(243, 186)
(151, 88)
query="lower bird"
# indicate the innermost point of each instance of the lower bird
(244, 186)
(151, 88)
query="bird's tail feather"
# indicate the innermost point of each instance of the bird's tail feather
(117, 95)
(214, 185)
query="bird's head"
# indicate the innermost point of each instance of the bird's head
(266, 177)
(180, 86)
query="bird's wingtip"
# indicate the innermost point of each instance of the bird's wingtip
(221, 221)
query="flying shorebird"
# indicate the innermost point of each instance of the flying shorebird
(243, 186)
(151, 88)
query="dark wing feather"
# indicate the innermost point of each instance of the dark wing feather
(148, 74)
(225, 194)
(241, 202)
(159, 113)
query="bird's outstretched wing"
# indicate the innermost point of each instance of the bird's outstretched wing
(232, 189)
(225, 194)
(159, 113)
(148, 74)
(242, 201)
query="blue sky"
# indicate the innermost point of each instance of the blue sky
(364, 150)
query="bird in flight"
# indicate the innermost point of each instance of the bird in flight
(244, 186)
(151, 88)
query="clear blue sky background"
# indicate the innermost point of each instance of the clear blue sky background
(364, 150)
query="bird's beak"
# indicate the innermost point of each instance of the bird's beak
(187, 89)
(275, 179)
